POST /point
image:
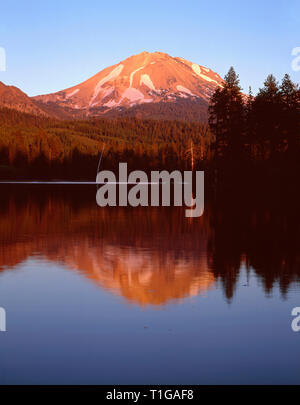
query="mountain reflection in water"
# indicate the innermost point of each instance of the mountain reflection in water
(149, 256)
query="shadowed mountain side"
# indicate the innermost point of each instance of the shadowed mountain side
(183, 110)
(12, 97)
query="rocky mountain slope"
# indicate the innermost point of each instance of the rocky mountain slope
(145, 85)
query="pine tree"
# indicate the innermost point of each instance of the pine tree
(249, 126)
(226, 117)
(290, 114)
(266, 109)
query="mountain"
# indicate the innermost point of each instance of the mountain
(147, 85)
(14, 98)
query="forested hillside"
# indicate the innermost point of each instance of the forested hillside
(243, 132)
(37, 147)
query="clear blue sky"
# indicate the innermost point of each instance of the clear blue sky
(51, 45)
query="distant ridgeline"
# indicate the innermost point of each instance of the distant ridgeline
(243, 132)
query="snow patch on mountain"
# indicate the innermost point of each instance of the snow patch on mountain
(72, 93)
(197, 70)
(107, 92)
(93, 104)
(132, 74)
(111, 76)
(111, 103)
(146, 80)
(208, 79)
(133, 94)
(184, 90)
(147, 100)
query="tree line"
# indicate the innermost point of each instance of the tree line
(261, 131)
(261, 128)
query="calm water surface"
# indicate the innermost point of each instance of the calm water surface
(145, 295)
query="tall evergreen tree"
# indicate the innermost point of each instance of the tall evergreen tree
(266, 109)
(226, 117)
(290, 114)
(249, 125)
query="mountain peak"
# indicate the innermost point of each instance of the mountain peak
(144, 78)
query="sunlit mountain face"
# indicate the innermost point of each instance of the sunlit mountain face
(155, 82)
(149, 256)
(148, 85)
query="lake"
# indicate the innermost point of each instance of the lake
(145, 295)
